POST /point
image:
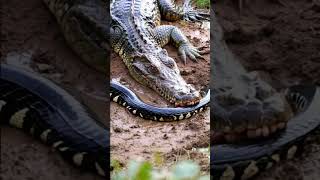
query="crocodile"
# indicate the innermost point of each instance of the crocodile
(137, 36)
(253, 125)
(86, 28)
(246, 106)
(38, 106)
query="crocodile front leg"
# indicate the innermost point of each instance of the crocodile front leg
(168, 33)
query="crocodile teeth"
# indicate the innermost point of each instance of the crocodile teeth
(281, 125)
(273, 128)
(258, 132)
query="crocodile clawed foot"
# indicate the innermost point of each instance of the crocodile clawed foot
(192, 15)
(189, 51)
(195, 16)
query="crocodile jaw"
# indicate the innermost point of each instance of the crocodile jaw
(161, 73)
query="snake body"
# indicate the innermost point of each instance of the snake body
(49, 113)
(125, 97)
(239, 103)
(246, 159)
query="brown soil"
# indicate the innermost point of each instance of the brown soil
(281, 41)
(133, 137)
(31, 39)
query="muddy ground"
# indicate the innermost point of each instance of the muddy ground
(31, 39)
(281, 40)
(134, 138)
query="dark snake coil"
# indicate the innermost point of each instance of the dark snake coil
(50, 114)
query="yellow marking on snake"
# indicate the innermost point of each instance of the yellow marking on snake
(62, 149)
(115, 99)
(99, 169)
(161, 119)
(56, 144)
(32, 130)
(228, 174)
(44, 135)
(291, 152)
(188, 115)
(181, 117)
(250, 171)
(269, 165)
(276, 157)
(141, 115)
(2, 103)
(134, 111)
(78, 158)
(18, 118)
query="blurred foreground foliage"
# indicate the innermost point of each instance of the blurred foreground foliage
(142, 170)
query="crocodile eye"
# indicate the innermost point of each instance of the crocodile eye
(153, 69)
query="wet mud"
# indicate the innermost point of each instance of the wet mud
(134, 138)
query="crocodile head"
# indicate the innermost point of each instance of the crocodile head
(244, 106)
(249, 108)
(160, 72)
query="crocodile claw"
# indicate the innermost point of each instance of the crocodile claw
(189, 51)
(195, 16)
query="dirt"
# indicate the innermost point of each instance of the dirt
(134, 138)
(31, 39)
(279, 39)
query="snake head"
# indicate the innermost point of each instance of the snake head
(160, 72)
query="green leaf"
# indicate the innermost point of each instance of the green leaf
(186, 170)
(207, 177)
(139, 170)
(116, 165)
(120, 176)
